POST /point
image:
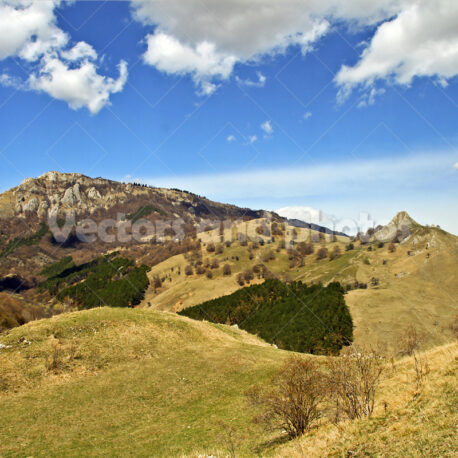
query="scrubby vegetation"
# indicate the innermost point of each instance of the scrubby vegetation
(27, 241)
(144, 211)
(310, 319)
(58, 267)
(107, 280)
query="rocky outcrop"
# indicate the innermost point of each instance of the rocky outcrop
(55, 193)
(398, 229)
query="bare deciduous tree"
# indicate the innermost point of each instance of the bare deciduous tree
(353, 381)
(409, 344)
(294, 402)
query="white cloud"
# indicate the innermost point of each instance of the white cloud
(28, 30)
(422, 40)
(252, 139)
(267, 127)
(368, 98)
(333, 179)
(455, 166)
(420, 37)
(230, 138)
(81, 50)
(307, 214)
(206, 40)
(250, 83)
(79, 87)
(307, 115)
(202, 61)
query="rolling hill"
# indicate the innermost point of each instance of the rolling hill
(112, 381)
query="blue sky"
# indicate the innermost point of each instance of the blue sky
(328, 109)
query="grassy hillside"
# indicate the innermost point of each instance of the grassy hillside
(416, 284)
(120, 381)
(414, 422)
(117, 382)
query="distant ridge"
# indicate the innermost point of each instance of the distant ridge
(314, 227)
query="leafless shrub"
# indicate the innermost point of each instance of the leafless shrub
(211, 247)
(335, 253)
(454, 326)
(200, 270)
(409, 341)
(410, 344)
(353, 381)
(268, 256)
(228, 438)
(240, 279)
(59, 356)
(227, 269)
(294, 402)
(157, 283)
(188, 270)
(248, 275)
(322, 253)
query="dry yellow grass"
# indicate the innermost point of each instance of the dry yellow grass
(117, 382)
(419, 289)
(414, 423)
(112, 382)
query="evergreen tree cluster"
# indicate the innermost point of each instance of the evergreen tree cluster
(32, 239)
(144, 211)
(309, 319)
(107, 280)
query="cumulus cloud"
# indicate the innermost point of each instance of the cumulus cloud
(81, 50)
(251, 83)
(422, 40)
(230, 138)
(307, 214)
(252, 139)
(307, 115)
(28, 30)
(222, 34)
(201, 60)
(455, 166)
(79, 87)
(267, 127)
(412, 38)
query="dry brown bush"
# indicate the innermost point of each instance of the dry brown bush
(294, 402)
(188, 270)
(353, 380)
(227, 269)
(335, 253)
(409, 343)
(322, 253)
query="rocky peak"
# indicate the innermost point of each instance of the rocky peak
(399, 227)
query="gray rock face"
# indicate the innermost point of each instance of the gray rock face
(93, 194)
(31, 205)
(72, 195)
(399, 227)
(43, 209)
